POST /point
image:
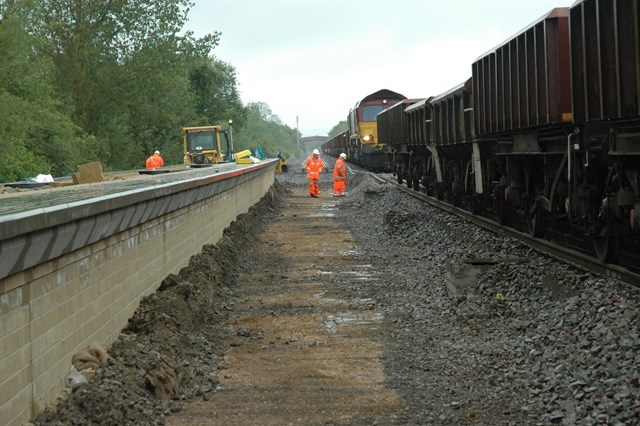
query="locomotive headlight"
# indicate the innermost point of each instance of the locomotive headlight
(368, 138)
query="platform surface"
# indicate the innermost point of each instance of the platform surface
(43, 198)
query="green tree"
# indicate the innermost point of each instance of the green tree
(35, 134)
(113, 80)
(123, 68)
(34, 140)
(264, 128)
(214, 85)
(338, 128)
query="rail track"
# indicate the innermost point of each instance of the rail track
(628, 272)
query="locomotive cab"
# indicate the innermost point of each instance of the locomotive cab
(365, 148)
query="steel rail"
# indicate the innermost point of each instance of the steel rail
(574, 257)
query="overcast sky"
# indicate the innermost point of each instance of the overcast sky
(314, 59)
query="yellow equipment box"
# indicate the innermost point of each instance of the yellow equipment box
(244, 157)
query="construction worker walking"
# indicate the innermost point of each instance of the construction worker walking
(314, 166)
(340, 176)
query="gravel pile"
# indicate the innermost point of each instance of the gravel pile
(524, 339)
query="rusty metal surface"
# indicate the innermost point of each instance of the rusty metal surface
(453, 115)
(605, 57)
(383, 94)
(393, 126)
(420, 122)
(525, 82)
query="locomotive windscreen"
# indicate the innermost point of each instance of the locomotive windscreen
(369, 112)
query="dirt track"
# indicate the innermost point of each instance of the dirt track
(302, 351)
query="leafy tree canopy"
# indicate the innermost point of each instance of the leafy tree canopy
(113, 81)
(338, 128)
(264, 128)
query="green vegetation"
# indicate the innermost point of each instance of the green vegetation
(265, 129)
(338, 128)
(113, 81)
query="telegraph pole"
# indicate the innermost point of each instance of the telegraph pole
(233, 154)
(297, 132)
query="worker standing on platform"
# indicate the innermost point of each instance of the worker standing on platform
(155, 161)
(340, 176)
(314, 167)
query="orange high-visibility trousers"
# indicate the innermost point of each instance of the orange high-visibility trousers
(314, 190)
(314, 166)
(338, 187)
(339, 177)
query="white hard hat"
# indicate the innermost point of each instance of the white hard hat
(157, 152)
(315, 151)
(343, 155)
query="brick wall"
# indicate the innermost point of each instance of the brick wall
(54, 309)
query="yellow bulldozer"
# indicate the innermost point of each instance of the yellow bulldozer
(282, 164)
(202, 146)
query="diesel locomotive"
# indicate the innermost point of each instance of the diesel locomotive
(546, 129)
(360, 142)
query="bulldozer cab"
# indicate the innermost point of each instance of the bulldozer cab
(202, 145)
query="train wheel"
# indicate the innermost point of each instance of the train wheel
(501, 205)
(416, 184)
(476, 208)
(502, 211)
(607, 247)
(536, 222)
(429, 188)
(409, 183)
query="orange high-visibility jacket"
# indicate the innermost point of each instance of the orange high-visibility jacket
(155, 162)
(314, 167)
(340, 170)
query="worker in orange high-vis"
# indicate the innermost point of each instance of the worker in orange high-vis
(340, 176)
(314, 167)
(155, 161)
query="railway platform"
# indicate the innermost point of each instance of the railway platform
(76, 261)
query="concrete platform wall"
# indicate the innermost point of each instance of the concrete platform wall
(52, 310)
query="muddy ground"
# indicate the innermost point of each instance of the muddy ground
(338, 311)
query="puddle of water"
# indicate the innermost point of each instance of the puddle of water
(359, 273)
(350, 252)
(327, 300)
(332, 322)
(366, 301)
